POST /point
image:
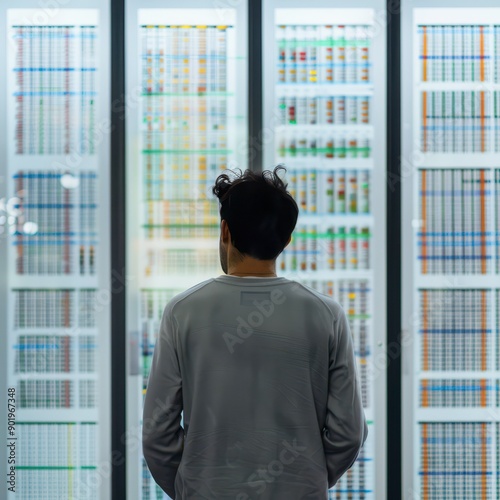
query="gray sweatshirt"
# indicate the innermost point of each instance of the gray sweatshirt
(264, 374)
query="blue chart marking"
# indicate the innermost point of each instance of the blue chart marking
(53, 92)
(26, 242)
(52, 69)
(59, 205)
(443, 29)
(183, 56)
(456, 473)
(455, 440)
(441, 58)
(457, 192)
(50, 175)
(345, 490)
(456, 127)
(455, 233)
(455, 244)
(452, 388)
(454, 257)
(454, 331)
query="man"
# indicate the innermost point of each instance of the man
(262, 368)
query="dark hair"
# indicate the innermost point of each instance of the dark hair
(259, 211)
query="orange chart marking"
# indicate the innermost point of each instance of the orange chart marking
(484, 463)
(425, 394)
(425, 464)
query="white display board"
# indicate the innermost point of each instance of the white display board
(55, 240)
(451, 93)
(186, 123)
(324, 118)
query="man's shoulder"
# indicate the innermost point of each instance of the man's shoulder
(191, 292)
(320, 299)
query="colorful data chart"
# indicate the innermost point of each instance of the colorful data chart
(303, 108)
(55, 89)
(56, 460)
(456, 121)
(185, 118)
(324, 138)
(450, 53)
(498, 338)
(184, 127)
(331, 191)
(45, 354)
(185, 262)
(496, 119)
(55, 310)
(456, 393)
(44, 308)
(496, 31)
(456, 232)
(319, 247)
(456, 245)
(321, 54)
(54, 362)
(456, 460)
(496, 233)
(455, 330)
(324, 145)
(59, 234)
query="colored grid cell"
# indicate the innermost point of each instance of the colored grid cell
(322, 247)
(456, 121)
(457, 53)
(65, 238)
(43, 308)
(455, 460)
(453, 393)
(44, 354)
(56, 460)
(319, 54)
(455, 235)
(55, 89)
(455, 330)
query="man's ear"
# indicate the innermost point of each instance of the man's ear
(224, 229)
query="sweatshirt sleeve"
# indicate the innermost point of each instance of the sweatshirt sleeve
(162, 433)
(345, 428)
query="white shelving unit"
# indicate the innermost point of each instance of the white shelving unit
(54, 246)
(324, 81)
(450, 244)
(188, 69)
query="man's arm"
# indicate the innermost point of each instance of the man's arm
(345, 427)
(162, 434)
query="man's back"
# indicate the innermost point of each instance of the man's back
(264, 371)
